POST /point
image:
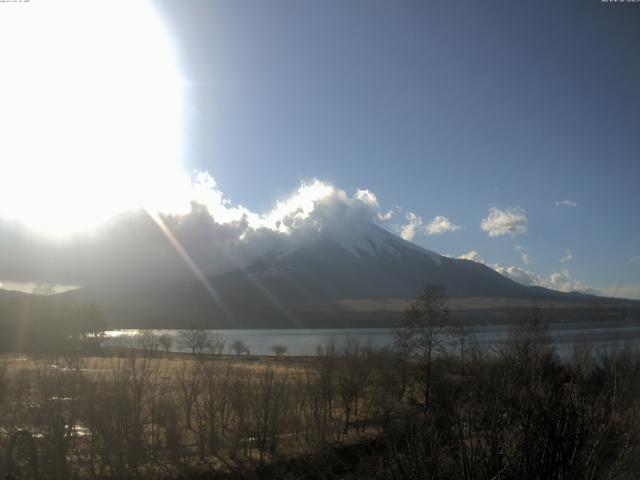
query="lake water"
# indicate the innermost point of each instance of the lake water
(306, 341)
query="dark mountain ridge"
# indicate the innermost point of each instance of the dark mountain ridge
(313, 287)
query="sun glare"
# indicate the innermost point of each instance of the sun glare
(90, 113)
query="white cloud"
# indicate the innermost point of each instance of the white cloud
(511, 221)
(33, 287)
(411, 228)
(566, 203)
(473, 256)
(386, 216)
(517, 274)
(368, 197)
(520, 275)
(635, 259)
(562, 281)
(524, 254)
(440, 225)
(568, 256)
(415, 226)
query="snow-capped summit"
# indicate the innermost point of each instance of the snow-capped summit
(375, 241)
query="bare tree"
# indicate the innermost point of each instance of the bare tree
(425, 319)
(195, 340)
(147, 341)
(239, 347)
(190, 384)
(217, 343)
(167, 342)
(354, 368)
(279, 350)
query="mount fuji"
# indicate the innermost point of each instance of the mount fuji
(343, 278)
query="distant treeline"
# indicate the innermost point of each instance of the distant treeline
(48, 323)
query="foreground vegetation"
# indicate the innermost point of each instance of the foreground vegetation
(408, 412)
(49, 324)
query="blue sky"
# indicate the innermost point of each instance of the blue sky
(439, 108)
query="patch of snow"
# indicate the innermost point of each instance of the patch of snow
(436, 257)
(375, 241)
(371, 240)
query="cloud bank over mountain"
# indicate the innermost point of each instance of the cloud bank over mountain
(216, 234)
(562, 280)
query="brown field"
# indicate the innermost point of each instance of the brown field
(156, 414)
(166, 365)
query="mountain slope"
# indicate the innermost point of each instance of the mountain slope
(376, 265)
(308, 287)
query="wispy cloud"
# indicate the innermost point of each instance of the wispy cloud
(409, 230)
(568, 256)
(517, 274)
(473, 256)
(370, 199)
(415, 226)
(520, 275)
(562, 280)
(511, 221)
(218, 235)
(440, 225)
(566, 203)
(524, 254)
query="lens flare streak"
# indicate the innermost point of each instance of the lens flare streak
(175, 243)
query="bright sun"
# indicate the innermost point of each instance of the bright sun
(90, 113)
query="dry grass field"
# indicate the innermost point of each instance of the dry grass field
(104, 416)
